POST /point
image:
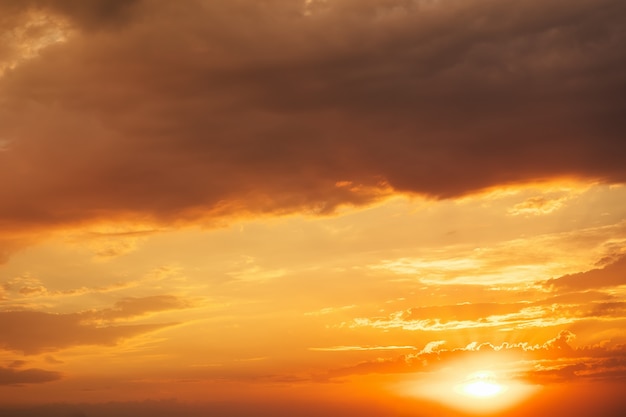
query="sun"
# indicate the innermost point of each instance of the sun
(479, 387)
(482, 384)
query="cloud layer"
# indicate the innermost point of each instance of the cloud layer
(178, 110)
(553, 361)
(34, 332)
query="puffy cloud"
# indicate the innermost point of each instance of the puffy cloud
(553, 361)
(160, 110)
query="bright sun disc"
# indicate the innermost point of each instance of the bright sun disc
(482, 389)
(481, 385)
(473, 388)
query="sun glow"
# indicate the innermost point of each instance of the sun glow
(481, 385)
(473, 387)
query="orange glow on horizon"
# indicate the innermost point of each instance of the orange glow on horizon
(468, 387)
(481, 385)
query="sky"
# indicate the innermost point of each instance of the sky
(312, 207)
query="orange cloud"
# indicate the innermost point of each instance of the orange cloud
(611, 275)
(33, 332)
(132, 307)
(537, 206)
(13, 374)
(160, 111)
(553, 361)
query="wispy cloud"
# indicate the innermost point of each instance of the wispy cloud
(358, 348)
(544, 313)
(329, 310)
(538, 205)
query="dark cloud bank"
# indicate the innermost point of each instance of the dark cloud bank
(165, 110)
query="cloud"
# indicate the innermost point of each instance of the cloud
(10, 245)
(52, 360)
(329, 310)
(553, 361)
(472, 316)
(139, 306)
(611, 275)
(34, 332)
(543, 312)
(25, 287)
(107, 244)
(17, 364)
(198, 110)
(12, 376)
(537, 206)
(86, 14)
(359, 348)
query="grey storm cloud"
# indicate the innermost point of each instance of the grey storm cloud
(190, 110)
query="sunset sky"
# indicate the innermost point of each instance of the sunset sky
(264, 208)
